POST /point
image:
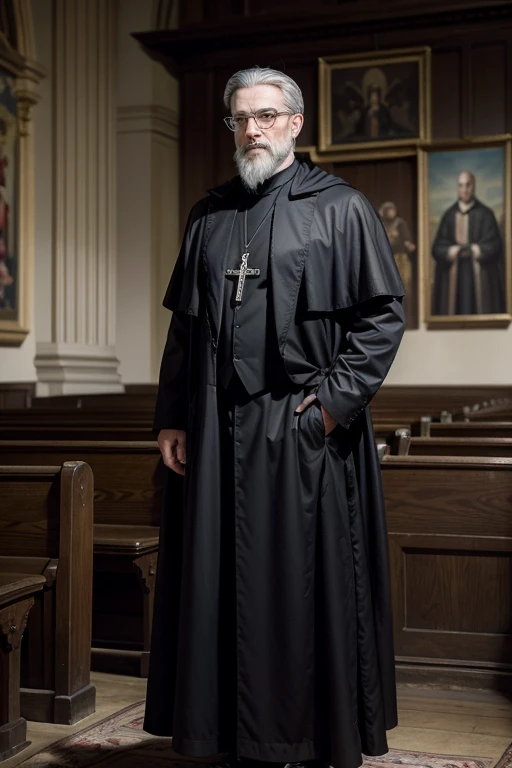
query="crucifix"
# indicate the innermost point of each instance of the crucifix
(242, 273)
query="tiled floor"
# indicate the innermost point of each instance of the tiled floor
(469, 723)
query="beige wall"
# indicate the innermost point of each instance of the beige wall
(454, 357)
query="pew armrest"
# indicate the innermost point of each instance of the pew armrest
(125, 539)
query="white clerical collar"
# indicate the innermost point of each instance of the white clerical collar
(465, 207)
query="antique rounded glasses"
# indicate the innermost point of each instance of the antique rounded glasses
(264, 118)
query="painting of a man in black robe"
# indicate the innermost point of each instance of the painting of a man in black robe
(467, 245)
(372, 101)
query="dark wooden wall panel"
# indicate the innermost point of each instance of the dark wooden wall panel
(489, 97)
(446, 95)
(306, 77)
(16, 394)
(482, 606)
(224, 141)
(198, 113)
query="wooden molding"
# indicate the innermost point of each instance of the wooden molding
(173, 47)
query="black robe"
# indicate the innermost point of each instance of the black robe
(314, 646)
(455, 279)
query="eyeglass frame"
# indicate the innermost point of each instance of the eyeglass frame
(253, 115)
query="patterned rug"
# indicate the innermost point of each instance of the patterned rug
(118, 741)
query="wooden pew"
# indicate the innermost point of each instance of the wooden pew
(410, 403)
(450, 538)
(405, 445)
(463, 429)
(87, 431)
(46, 525)
(461, 446)
(128, 479)
(143, 398)
(75, 418)
(17, 592)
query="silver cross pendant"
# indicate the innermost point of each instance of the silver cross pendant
(242, 273)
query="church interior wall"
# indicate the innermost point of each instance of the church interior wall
(151, 199)
(469, 98)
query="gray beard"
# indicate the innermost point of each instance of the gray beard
(255, 170)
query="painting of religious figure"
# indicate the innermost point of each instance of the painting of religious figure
(469, 233)
(374, 100)
(8, 198)
(404, 251)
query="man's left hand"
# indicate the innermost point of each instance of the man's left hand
(329, 422)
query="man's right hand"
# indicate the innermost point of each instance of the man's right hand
(173, 446)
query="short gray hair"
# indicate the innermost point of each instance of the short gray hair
(247, 78)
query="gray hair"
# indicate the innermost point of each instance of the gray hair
(247, 78)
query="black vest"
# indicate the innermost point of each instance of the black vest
(247, 337)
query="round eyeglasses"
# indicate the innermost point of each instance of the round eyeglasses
(264, 119)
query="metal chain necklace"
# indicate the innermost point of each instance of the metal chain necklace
(244, 270)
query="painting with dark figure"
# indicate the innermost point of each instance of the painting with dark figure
(467, 244)
(403, 247)
(8, 171)
(374, 100)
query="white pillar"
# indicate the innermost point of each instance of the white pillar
(147, 202)
(80, 357)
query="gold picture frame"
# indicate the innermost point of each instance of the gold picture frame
(442, 287)
(365, 84)
(20, 77)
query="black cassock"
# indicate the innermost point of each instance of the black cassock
(311, 645)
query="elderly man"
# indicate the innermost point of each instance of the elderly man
(272, 637)
(468, 251)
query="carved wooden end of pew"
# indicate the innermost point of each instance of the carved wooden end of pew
(125, 549)
(46, 530)
(129, 477)
(16, 600)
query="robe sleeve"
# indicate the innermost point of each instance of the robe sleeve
(490, 242)
(444, 239)
(351, 259)
(171, 410)
(375, 330)
(182, 297)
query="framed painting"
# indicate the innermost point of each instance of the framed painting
(374, 100)
(467, 232)
(9, 170)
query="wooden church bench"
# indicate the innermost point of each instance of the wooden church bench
(118, 551)
(463, 429)
(46, 527)
(17, 592)
(405, 445)
(87, 431)
(450, 539)
(128, 482)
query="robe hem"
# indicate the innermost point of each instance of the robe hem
(279, 752)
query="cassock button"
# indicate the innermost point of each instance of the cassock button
(236, 358)
(237, 326)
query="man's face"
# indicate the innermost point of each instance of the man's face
(466, 187)
(374, 99)
(390, 213)
(260, 152)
